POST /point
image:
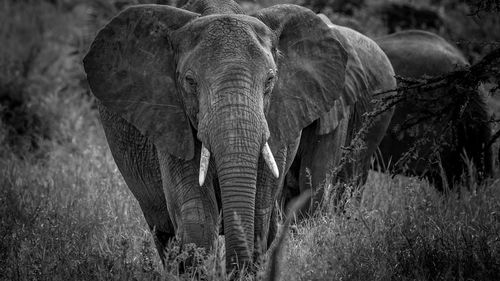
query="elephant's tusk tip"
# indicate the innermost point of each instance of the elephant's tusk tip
(204, 161)
(275, 172)
(269, 159)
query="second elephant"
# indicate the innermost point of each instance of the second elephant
(320, 151)
(433, 133)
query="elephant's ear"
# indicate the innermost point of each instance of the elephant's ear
(130, 69)
(311, 70)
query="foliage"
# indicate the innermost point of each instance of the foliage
(17, 58)
(450, 120)
(479, 6)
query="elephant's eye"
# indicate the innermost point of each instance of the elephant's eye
(269, 82)
(190, 84)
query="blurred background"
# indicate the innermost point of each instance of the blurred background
(65, 210)
(43, 43)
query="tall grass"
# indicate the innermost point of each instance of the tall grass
(71, 216)
(402, 230)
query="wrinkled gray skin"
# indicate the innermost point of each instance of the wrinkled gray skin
(414, 54)
(368, 72)
(169, 80)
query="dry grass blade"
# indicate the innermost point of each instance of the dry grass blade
(295, 205)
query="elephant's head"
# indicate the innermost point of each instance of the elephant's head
(230, 83)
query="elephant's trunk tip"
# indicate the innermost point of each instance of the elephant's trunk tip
(204, 162)
(269, 159)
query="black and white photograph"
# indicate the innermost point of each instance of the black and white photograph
(250, 140)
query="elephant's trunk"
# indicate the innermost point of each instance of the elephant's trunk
(237, 177)
(235, 136)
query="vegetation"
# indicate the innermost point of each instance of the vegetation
(66, 213)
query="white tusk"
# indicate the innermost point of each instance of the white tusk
(268, 157)
(204, 161)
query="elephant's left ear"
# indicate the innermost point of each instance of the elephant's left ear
(311, 70)
(131, 70)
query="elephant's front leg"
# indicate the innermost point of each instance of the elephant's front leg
(193, 209)
(136, 157)
(319, 155)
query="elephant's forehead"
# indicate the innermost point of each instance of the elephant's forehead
(228, 34)
(227, 26)
(220, 25)
(225, 36)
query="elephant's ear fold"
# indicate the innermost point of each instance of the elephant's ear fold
(311, 70)
(130, 69)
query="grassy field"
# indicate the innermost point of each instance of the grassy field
(402, 230)
(70, 216)
(66, 213)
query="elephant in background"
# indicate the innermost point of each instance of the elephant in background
(320, 152)
(204, 107)
(463, 128)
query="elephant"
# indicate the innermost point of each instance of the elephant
(320, 152)
(203, 108)
(463, 128)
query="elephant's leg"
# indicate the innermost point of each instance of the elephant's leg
(291, 188)
(135, 156)
(373, 137)
(273, 227)
(358, 168)
(193, 208)
(319, 155)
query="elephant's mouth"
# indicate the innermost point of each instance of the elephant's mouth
(266, 154)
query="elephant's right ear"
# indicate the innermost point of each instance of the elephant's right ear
(311, 70)
(130, 69)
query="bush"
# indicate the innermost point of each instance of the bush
(22, 34)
